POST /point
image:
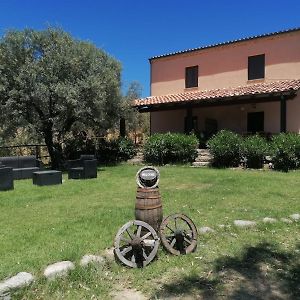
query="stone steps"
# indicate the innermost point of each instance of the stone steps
(203, 159)
(137, 159)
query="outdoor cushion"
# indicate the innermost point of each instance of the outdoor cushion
(6, 179)
(27, 161)
(10, 161)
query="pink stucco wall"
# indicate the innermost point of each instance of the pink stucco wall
(225, 66)
(233, 117)
(293, 114)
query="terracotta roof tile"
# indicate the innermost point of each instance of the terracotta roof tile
(226, 43)
(231, 92)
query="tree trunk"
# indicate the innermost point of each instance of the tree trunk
(54, 152)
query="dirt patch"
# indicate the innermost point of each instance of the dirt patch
(191, 186)
(128, 294)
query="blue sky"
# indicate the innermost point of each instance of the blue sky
(134, 30)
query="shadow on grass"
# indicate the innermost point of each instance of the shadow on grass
(261, 272)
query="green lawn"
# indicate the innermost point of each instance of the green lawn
(42, 225)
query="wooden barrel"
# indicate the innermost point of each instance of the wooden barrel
(148, 206)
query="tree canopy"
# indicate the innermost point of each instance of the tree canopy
(137, 123)
(53, 82)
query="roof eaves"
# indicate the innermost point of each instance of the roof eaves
(225, 43)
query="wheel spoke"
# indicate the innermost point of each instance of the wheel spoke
(170, 236)
(126, 250)
(138, 234)
(173, 242)
(145, 236)
(170, 228)
(149, 243)
(130, 235)
(133, 258)
(188, 234)
(187, 240)
(144, 255)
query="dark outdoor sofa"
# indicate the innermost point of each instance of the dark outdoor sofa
(23, 166)
(6, 178)
(82, 168)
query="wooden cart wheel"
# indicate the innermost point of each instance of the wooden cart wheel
(178, 234)
(136, 244)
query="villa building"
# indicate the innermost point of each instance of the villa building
(247, 85)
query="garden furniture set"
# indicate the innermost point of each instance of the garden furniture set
(25, 167)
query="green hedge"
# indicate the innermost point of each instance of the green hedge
(170, 148)
(285, 151)
(229, 148)
(112, 151)
(108, 151)
(253, 149)
(225, 148)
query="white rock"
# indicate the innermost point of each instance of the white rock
(285, 220)
(109, 253)
(204, 230)
(58, 269)
(91, 259)
(295, 217)
(244, 223)
(20, 280)
(269, 220)
(5, 296)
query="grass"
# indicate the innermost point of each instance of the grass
(42, 225)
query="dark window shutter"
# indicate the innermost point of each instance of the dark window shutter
(256, 67)
(191, 77)
(255, 122)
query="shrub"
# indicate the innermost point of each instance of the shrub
(170, 148)
(285, 150)
(127, 149)
(75, 145)
(112, 151)
(253, 149)
(225, 147)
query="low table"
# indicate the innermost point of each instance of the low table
(47, 177)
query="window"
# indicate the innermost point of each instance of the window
(255, 122)
(191, 77)
(256, 67)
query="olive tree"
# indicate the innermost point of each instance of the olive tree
(53, 82)
(136, 122)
